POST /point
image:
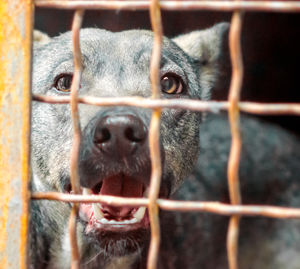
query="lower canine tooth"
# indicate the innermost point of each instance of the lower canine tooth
(97, 212)
(139, 214)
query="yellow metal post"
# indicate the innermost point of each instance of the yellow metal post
(15, 54)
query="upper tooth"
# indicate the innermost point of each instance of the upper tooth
(139, 214)
(146, 192)
(86, 191)
(97, 212)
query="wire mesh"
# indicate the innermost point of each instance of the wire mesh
(77, 22)
(195, 105)
(274, 6)
(154, 143)
(173, 205)
(236, 144)
(234, 106)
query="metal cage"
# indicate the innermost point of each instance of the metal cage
(15, 46)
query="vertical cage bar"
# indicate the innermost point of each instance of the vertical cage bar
(15, 51)
(235, 152)
(77, 22)
(155, 16)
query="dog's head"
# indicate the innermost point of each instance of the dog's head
(114, 154)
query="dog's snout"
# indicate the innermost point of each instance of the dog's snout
(120, 133)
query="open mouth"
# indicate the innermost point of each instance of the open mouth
(103, 217)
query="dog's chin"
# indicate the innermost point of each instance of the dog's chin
(118, 244)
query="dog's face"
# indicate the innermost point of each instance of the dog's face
(114, 153)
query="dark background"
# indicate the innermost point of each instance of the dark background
(270, 42)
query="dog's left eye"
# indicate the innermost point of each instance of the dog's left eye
(63, 82)
(171, 84)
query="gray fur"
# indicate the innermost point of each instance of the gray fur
(268, 176)
(117, 64)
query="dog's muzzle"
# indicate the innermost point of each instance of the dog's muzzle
(114, 160)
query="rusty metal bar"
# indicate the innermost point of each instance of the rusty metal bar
(16, 19)
(278, 6)
(154, 144)
(77, 22)
(270, 109)
(234, 119)
(173, 205)
(105, 199)
(196, 105)
(75, 256)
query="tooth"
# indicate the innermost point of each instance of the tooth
(139, 214)
(133, 220)
(104, 221)
(86, 191)
(83, 216)
(97, 212)
(146, 192)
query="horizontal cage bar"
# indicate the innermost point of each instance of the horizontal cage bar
(275, 6)
(173, 205)
(195, 105)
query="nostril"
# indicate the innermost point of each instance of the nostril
(133, 135)
(102, 135)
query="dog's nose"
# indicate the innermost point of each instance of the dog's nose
(120, 135)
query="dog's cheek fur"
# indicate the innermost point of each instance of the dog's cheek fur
(178, 138)
(51, 149)
(95, 253)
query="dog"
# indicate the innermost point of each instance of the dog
(268, 176)
(114, 154)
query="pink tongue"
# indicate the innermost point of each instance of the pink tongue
(123, 187)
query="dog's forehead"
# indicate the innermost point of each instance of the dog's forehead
(127, 49)
(131, 46)
(98, 42)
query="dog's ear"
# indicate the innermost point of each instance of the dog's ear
(40, 38)
(208, 48)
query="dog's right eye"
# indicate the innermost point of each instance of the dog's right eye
(171, 84)
(63, 82)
